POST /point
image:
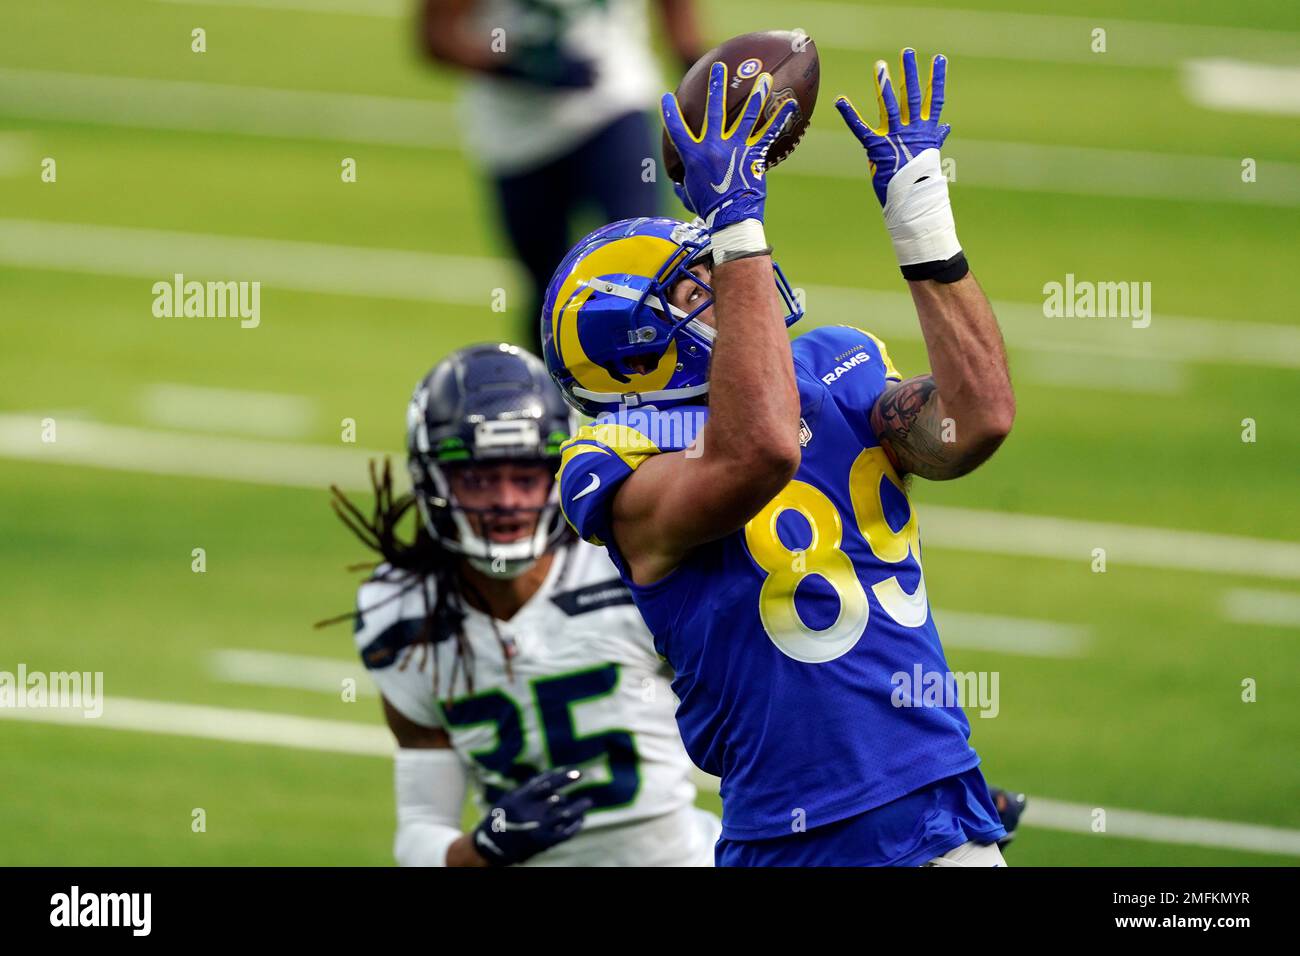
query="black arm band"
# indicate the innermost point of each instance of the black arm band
(941, 270)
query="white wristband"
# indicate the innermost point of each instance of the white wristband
(744, 238)
(918, 214)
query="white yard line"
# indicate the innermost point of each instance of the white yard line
(1075, 170)
(126, 448)
(221, 723)
(1010, 635)
(18, 156)
(351, 118)
(325, 675)
(123, 448)
(292, 671)
(188, 106)
(1269, 608)
(202, 409)
(878, 29)
(1243, 87)
(1069, 539)
(399, 274)
(156, 256)
(1168, 339)
(356, 739)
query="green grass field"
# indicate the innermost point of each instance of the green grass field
(1117, 426)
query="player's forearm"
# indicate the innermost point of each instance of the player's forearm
(753, 399)
(681, 24)
(968, 362)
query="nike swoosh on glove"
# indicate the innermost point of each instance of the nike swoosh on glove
(725, 180)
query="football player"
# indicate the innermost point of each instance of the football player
(509, 655)
(754, 494)
(558, 106)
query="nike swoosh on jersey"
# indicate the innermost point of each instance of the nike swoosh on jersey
(595, 483)
(726, 180)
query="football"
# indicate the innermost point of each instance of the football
(789, 55)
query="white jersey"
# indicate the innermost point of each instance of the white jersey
(584, 687)
(512, 126)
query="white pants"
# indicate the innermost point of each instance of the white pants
(970, 854)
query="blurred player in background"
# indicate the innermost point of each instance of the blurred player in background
(767, 535)
(557, 110)
(509, 655)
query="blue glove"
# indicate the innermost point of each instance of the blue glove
(906, 133)
(532, 818)
(724, 180)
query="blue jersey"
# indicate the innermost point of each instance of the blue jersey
(796, 640)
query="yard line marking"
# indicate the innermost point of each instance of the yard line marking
(190, 106)
(1270, 608)
(1162, 828)
(419, 123)
(196, 408)
(1070, 539)
(125, 448)
(1102, 373)
(986, 632)
(1078, 170)
(291, 671)
(1242, 87)
(1010, 635)
(223, 723)
(406, 275)
(302, 266)
(1032, 37)
(1168, 337)
(365, 740)
(18, 154)
(386, 9)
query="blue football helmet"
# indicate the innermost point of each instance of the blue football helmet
(609, 335)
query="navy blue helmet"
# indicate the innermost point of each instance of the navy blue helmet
(485, 403)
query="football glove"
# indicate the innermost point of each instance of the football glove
(1009, 806)
(903, 155)
(724, 182)
(532, 818)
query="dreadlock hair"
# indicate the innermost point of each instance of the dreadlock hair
(410, 563)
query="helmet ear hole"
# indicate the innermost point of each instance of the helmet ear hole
(643, 363)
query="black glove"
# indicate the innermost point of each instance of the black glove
(532, 818)
(1009, 806)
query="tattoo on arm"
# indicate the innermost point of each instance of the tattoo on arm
(906, 419)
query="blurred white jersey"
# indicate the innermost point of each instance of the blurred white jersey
(512, 126)
(584, 687)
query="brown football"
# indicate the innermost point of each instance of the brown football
(791, 58)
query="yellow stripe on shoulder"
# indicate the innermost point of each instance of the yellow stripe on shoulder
(890, 371)
(626, 442)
